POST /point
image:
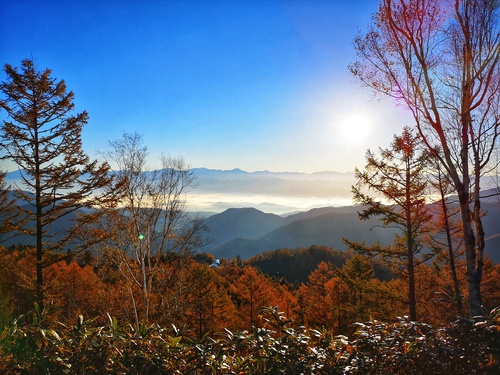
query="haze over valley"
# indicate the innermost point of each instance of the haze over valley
(273, 192)
(248, 213)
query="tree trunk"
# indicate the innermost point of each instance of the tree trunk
(453, 268)
(134, 304)
(411, 281)
(410, 243)
(39, 255)
(473, 276)
(449, 242)
(473, 254)
(479, 232)
(145, 297)
(38, 219)
(411, 271)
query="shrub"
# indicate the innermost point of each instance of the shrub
(404, 347)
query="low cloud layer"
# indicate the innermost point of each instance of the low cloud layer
(275, 192)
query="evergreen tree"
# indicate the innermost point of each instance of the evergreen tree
(357, 275)
(398, 180)
(43, 138)
(252, 291)
(318, 297)
(209, 306)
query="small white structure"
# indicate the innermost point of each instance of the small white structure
(215, 264)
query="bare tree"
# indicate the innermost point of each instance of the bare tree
(43, 139)
(441, 61)
(151, 221)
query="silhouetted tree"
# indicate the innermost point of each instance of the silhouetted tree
(43, 139)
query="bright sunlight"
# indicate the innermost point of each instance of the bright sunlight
(355, 127)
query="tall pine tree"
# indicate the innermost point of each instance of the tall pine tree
(398, 180)
(43, 138)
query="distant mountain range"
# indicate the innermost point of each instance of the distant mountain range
(281, 193)
(276, 192)
(246, 232)
(243, 230)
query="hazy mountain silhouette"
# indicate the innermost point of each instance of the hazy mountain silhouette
(258, 232)
(317, 228)
(296, 265)
(240, 222)
(321, 211)
(245, 248)
(249, 231)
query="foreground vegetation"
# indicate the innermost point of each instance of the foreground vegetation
(48, 347)
(209, 320)
(189, 292)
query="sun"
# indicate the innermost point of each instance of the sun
(355, 127)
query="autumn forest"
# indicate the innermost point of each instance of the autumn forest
(115, 280)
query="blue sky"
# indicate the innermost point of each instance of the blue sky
(256, 85)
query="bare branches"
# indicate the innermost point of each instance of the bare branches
(150, 220)
(443, 62)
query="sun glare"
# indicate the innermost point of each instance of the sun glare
(355, 127)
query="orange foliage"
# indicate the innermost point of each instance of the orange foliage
(252, 291)
(204, 300)
(318, 297)
(18, 279)
(490, 285)
(208, 305)
(74, 290)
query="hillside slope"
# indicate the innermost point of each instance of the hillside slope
(316, 227)
(323, 230)
(239, 223)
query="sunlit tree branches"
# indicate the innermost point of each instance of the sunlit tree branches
(441, 61)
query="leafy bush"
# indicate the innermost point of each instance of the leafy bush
(408, 347)
(404, 347)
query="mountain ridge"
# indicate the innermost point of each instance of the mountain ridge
(246, 230)
(327, 227)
